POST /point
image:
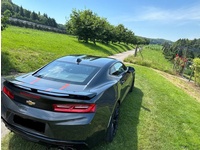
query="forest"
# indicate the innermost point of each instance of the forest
(19, 12)
(22, 17)
(183, 48)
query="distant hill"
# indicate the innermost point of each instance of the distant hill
(160, 41)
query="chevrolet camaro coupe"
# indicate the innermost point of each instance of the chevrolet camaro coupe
(72, 102)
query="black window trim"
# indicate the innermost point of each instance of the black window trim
(121, 72)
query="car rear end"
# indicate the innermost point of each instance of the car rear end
(55, 120)
(54, 106)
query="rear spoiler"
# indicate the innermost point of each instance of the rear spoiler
(50, 92)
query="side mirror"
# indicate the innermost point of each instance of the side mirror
(131, 69)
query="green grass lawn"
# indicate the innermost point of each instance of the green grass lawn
(155, 116)
(25, 50)
(151, 56)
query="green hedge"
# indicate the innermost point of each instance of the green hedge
(197, 70)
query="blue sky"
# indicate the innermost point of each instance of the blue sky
(168, 19)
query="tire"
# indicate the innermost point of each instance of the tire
(112, 129)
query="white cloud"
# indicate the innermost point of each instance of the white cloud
(165, 15)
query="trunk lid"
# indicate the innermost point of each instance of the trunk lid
(42, 93)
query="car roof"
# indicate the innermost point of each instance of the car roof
(88, 60)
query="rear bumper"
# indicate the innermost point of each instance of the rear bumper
(45, 140)
(69, 129)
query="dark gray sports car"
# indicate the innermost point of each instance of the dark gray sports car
(71, 102)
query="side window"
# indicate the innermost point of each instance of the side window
(117, 69)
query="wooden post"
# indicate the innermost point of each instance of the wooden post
(136, 51)
(140, 50)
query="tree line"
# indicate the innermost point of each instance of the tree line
(88, 26)
(183, 48)
(19, 12)
(23, 17)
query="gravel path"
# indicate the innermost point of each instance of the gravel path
(120, 56)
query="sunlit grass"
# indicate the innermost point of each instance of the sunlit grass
(157, 116)
(24, 50)
(151, 56)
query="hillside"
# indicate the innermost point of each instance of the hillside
(159, 41)
(25, 50)
(20, 16)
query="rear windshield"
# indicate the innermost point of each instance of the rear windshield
(67, 72)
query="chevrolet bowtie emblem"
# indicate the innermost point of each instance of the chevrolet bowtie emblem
(29, 102)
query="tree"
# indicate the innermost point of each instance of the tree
(85, 24)
(34, 16)
(129, 37)
(21, 11)
(6, 6)
(4, 19)
(16, 9)
(120, 33)
(27, 13)
(190, 54)
(51, 22)
(98, 28)
(106, 34)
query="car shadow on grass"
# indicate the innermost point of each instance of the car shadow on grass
(14, 142)
(122, 46)
(97, 48)
(6, 65)
(127, 134)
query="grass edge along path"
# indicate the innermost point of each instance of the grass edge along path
(183, 83)
(156, 115)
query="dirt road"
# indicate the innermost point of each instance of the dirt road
(120, 56)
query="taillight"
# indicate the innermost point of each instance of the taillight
(28, 95)
(8, 93)
(75, 108)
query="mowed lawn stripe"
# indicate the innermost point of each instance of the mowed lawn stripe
(173, 116)
(25, 50)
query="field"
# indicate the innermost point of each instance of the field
(157, 115)
(25, 50)
(151, 56)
